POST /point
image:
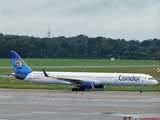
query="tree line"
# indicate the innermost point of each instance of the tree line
(79, 47)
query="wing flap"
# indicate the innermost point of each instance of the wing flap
(72, 80)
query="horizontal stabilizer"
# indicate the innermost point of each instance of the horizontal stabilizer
(16, 75)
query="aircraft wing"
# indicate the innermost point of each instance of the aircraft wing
(72, 80)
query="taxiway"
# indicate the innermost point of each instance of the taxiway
(35, 104)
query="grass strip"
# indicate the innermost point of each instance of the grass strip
(79, 62)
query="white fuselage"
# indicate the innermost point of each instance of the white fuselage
(97, 78)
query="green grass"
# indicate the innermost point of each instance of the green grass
(79, 62)
(20, 84)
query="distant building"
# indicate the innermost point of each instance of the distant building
(112, 58)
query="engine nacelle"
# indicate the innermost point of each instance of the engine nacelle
(99, 86)
(86, 85)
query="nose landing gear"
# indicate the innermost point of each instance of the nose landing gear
(141, 87)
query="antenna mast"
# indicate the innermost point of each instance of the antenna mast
(49, 33)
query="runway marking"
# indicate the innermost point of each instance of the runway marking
(44, 112)
(81, 114)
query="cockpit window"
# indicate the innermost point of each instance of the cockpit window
(150, 78)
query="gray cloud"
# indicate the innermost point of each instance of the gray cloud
(128, 19)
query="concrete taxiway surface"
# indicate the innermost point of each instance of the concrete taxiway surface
(30, 104)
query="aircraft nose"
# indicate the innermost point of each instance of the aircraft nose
(156, 82)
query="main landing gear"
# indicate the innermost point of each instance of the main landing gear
(78, 89)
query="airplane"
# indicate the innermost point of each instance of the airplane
(80, 80)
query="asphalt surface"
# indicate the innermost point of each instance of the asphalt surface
(30, 104)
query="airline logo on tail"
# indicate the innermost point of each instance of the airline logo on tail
(18, 64)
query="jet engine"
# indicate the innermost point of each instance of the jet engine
(86, 85)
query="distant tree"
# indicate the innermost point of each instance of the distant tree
(79, 47)
(62, 53)
(94, 54)
(1, 35)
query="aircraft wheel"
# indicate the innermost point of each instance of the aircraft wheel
(81, 89)
(74, 89)
(78, 89)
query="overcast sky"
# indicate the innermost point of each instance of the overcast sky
(124, 19)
